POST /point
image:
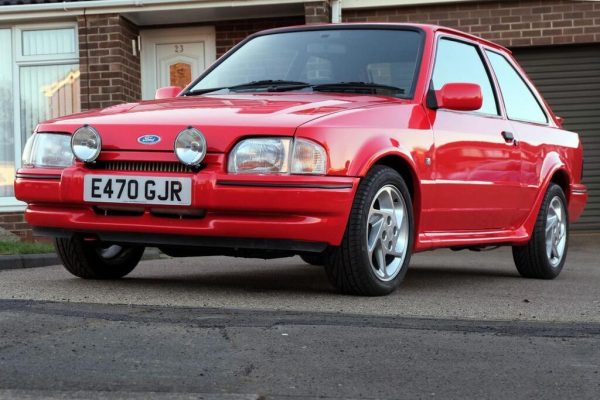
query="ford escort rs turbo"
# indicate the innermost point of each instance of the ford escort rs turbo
(351, 145)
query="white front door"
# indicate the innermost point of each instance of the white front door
(174, 57)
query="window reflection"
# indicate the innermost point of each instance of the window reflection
(48, 87)
(7, 145)
(47, 91)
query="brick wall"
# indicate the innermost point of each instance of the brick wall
(510, 23)
(15, 223)
(110, 73)
(230, 33)
(317, 12)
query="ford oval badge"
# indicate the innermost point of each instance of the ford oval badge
(149, 139)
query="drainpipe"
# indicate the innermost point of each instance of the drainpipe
(336, 11)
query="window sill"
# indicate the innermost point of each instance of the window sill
(10, 204)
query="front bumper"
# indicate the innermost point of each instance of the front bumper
(294, 208)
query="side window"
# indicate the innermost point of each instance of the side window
(520, 103)
(461, 62)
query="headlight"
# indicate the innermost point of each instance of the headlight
(275, 155)
(260, 156)
(190, 146)
(308, 158)
(48, 150)
(86, 144)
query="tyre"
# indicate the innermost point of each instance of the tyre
(543, 257)
(375, 251)
(318, 259)
(97, 260)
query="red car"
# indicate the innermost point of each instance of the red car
(351, 145)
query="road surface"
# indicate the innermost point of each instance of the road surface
(462, 325)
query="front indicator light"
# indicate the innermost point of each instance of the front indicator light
(190, 146)
(86, 144)
(309, 158)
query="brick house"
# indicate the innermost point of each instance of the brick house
(60, 57)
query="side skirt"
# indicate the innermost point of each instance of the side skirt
(433, 240)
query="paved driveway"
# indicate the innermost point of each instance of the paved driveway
(463, 325)
(439, 284)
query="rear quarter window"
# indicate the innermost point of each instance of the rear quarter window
(519, 100)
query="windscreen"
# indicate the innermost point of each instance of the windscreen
(381, 56)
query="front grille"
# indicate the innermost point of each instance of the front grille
(144, 166)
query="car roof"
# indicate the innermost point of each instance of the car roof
(374, 25)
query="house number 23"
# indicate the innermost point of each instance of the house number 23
(178, 48)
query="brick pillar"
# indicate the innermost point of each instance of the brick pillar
(317, 12)
(110, 73)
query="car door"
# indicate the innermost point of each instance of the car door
(477, 162)
(529, 121)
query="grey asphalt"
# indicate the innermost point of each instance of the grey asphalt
(439, 284)
(462, 325)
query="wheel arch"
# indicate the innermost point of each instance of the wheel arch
(562, 178)
(405, 167)
(554, 170)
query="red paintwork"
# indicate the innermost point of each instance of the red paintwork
(469, 185)
(460, 97)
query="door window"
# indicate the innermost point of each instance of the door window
(178, 63)
(458, 62)
(519, 101)
(174, 56)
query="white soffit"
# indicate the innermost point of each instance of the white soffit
(350, 4)
(174, 17)
(24, 12)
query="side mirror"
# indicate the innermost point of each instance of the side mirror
(459, 97)
(167, 92)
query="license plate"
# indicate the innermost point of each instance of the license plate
(137, 190)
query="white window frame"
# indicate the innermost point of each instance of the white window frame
(11, 204)
(19, 30)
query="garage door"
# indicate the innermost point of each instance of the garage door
(569, 79)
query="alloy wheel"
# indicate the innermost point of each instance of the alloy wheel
(556, 231)
(387, 233)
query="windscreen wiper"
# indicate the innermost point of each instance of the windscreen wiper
(195, 92)
(356, 87)
(271, 85)
(279, 85)
(268, 85)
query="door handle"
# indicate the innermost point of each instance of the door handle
(509, 137)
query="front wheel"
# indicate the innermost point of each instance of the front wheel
(97, 260)
(375, 251)
(544, 256)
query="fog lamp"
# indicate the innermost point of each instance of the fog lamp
(86, 144)
(190, 146)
